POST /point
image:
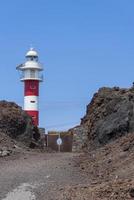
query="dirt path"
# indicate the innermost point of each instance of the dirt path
(38, 176)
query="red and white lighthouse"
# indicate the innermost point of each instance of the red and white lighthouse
(31, 76)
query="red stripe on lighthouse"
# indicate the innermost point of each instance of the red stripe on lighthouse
(34, 115)
(31, 88)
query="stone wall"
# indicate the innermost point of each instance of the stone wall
(80, 137)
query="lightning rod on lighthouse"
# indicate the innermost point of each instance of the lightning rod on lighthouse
(31, 76)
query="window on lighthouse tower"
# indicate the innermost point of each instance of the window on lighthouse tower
(32, 58)
(32, 73)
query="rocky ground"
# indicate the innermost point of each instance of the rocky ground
(41, 176)
(110, 170)
(103, 174)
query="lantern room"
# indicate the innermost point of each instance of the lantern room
(31, 69)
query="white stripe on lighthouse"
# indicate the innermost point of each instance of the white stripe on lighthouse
(31, 103)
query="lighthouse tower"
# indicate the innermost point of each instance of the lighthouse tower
(31, 76)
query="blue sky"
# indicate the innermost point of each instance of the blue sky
(83, 44)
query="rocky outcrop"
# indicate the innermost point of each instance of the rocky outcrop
(16, 125)
(13, 120)
(110, 115)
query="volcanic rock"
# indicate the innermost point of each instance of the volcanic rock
(109, 116)
(15, 125)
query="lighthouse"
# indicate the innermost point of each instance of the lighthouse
(31, 75)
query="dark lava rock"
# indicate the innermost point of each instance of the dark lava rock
(15, 124)
(13, 120)
(131, 192)
(109, 116)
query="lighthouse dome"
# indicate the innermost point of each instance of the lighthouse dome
(32, 53)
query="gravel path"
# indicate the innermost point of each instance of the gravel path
(38, 176)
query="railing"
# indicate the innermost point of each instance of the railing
(23, 77)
